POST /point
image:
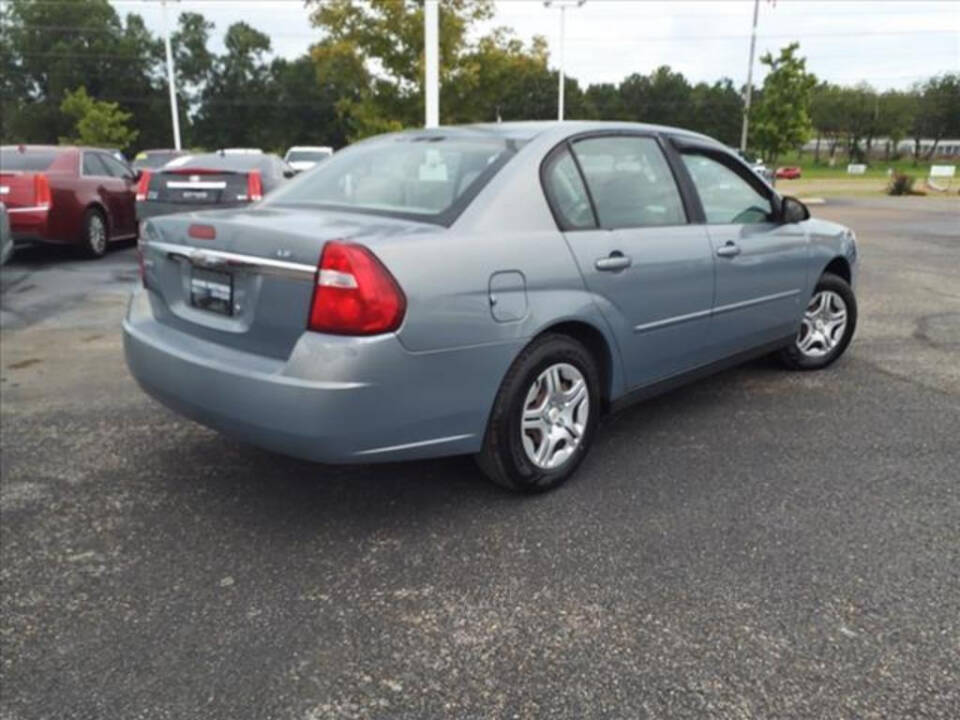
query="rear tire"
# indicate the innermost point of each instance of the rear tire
(544, 416)
(94, 233)
(827, 328)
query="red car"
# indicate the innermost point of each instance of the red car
(68, 196)
(788, 173)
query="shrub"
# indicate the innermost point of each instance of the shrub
(900, 184)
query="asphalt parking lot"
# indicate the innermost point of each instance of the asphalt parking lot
(760, 544)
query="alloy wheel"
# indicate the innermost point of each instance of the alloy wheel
(97, 234)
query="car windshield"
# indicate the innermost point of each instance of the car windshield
(429, 177)
(13, 160)
(307, 155)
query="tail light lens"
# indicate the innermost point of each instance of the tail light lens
(355, 293)
(254, 186)
(41, 191)
(143, 185)
(202, 232)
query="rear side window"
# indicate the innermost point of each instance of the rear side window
(421, 177)
(567, 193)
(93, 165)
(114, 167)
(727, 197)
(12, 160)
(630, 182)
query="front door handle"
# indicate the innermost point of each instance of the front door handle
(729, 249)
(615, 261)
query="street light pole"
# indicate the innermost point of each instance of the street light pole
(562, 5)
(431, 52)
(746, 104)
(170, 78)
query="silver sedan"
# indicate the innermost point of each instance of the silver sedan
(488, 289)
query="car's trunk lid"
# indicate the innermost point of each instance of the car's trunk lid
(250, 285)
(192, 186)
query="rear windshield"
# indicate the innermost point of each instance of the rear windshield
(307, 155)
(153, 160)
(11, 159)
(421, 177)
(216, 161)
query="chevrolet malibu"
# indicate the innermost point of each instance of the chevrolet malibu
(489, 289)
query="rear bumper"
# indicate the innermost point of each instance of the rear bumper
(29, 224)
(336, 399)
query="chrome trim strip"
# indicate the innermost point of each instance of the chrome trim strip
(185, 185)
(657, 324)
(755, 301)
(672, 321)
(409, 446)
(235, 261)
(32, 208)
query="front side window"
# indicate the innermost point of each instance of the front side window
(567, 193)
(726, 196)
(630, 182)
(422, 177)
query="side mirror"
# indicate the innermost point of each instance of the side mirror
(793, 211)
(289, 173)
(135, 175)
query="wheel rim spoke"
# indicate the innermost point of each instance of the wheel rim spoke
(823, 325)
(555, 415)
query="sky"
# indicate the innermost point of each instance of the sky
(887, 44)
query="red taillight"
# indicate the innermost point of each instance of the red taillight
(143, 185)
(202, 232)
(254, 186)
(41, 191)
(355, 293)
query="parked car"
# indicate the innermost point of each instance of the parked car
(67, 196)
(150, 159)
(490, 289)
(6, 237)
(304, 157)
(212, 180)
(788, 173)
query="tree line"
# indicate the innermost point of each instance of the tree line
(60, 60)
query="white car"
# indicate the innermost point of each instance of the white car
(304, 157)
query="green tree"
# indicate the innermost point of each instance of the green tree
(97, 123)
(781, 118)
(51, 48)
(716, 110)
(938, 114)
(389, 35)
(239, 96)
(897, 110)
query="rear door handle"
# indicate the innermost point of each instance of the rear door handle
(729, 249)
(615, 261)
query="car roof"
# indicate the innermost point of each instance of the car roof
(526, 130)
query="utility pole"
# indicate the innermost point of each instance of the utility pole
(746, 104)
(562, 5)
(431, 51)
(171, 83)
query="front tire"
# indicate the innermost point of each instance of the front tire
(94, 233)
(544, 416)
(827, 327)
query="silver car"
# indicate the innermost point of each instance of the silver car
(488, 289)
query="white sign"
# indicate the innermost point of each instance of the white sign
(943, 171)
(856, 169)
